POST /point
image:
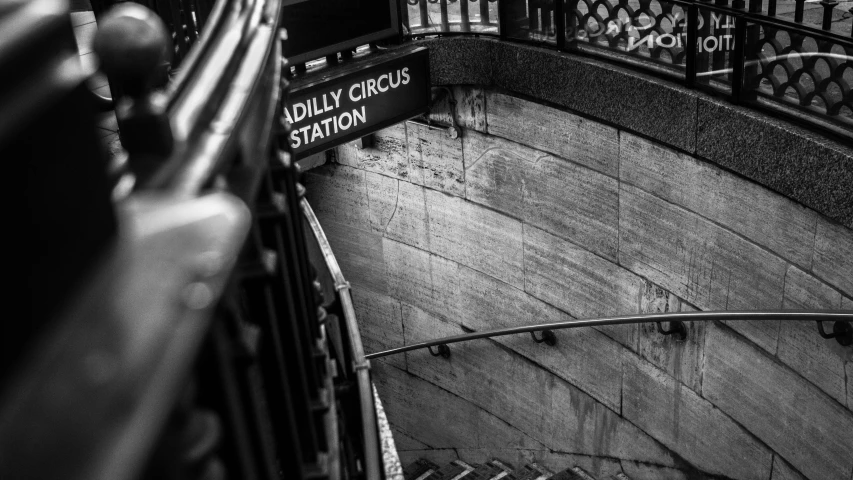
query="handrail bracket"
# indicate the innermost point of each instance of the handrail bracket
(675, 328)
(548, 337)
(842, 332)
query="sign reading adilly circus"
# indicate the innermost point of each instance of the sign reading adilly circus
(357, 100)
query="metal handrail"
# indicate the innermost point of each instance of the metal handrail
(819, 316)
(359, 359)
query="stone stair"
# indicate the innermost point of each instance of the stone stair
(494, 470)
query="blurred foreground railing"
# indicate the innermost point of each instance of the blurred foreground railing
(769, 55)
(193, 340)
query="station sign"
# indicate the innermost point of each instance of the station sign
(356, 100)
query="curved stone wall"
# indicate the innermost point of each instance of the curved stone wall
(536, 214)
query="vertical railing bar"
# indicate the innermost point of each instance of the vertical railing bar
(798, 11)
(445, 22)
(739, 59)
(403, 10)
(465, 21)
(502, 19)
(573, 25)
(422, 8)
(690, 60)
(484, 12)
(560, 23)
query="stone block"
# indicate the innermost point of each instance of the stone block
(688, 424)
(380, 324)
(470, 109)
(600, 90)
(833, 255)
(435, 159)
(527, 397)
(761, 215)
(563, 134)
(359, 254)
(459, 60)
(681, 359)
(438, 418)
(806, 167)
(703, 263)
(568, 200)
(784, 471)
(802, 424)
(476, 237)
(574, 203)
(495, 171)
(575, 280)
(389, 155)
(421, 279)
(409, 222)
(382, 195)
(848, 368)
(337, 194)
(584, 357)
(819, 360)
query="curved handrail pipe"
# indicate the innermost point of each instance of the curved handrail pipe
(826, 315)
(359, 359)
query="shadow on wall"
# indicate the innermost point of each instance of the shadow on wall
(536, 215)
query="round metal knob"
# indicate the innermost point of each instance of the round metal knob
(133, 46)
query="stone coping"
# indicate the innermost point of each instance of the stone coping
(811, 169)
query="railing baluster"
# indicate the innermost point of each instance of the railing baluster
(422, 7)
(690, 60)
(465, 22)
(560, 23)
(798, 11)
(445, 22)
(827, 5)
(484, 12)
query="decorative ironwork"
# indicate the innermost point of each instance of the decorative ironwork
(799, 70)
(808, 73)
(450, 16)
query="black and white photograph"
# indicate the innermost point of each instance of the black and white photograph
(430, 239)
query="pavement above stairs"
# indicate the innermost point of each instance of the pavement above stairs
(494, 470)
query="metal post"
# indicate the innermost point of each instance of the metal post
(422, 7)
(738, 60)
(828, 5)
(692, 21)
(465, 20)
(560, 20)
(445, 22)
(798, 11)
(484, 12)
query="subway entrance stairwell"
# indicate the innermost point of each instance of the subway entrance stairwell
(616, 245)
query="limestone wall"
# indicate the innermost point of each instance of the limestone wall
(538, 215)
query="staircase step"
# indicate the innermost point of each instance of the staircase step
(582, 474)
(532, 471)
(487, 471)
(505, 468)
(574, 473)
(452, 471)
(419, 470)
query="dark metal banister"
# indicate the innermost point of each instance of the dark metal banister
(827, 315)
(359, 359)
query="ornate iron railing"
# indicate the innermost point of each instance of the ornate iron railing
(786, 63)
(192, 340)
